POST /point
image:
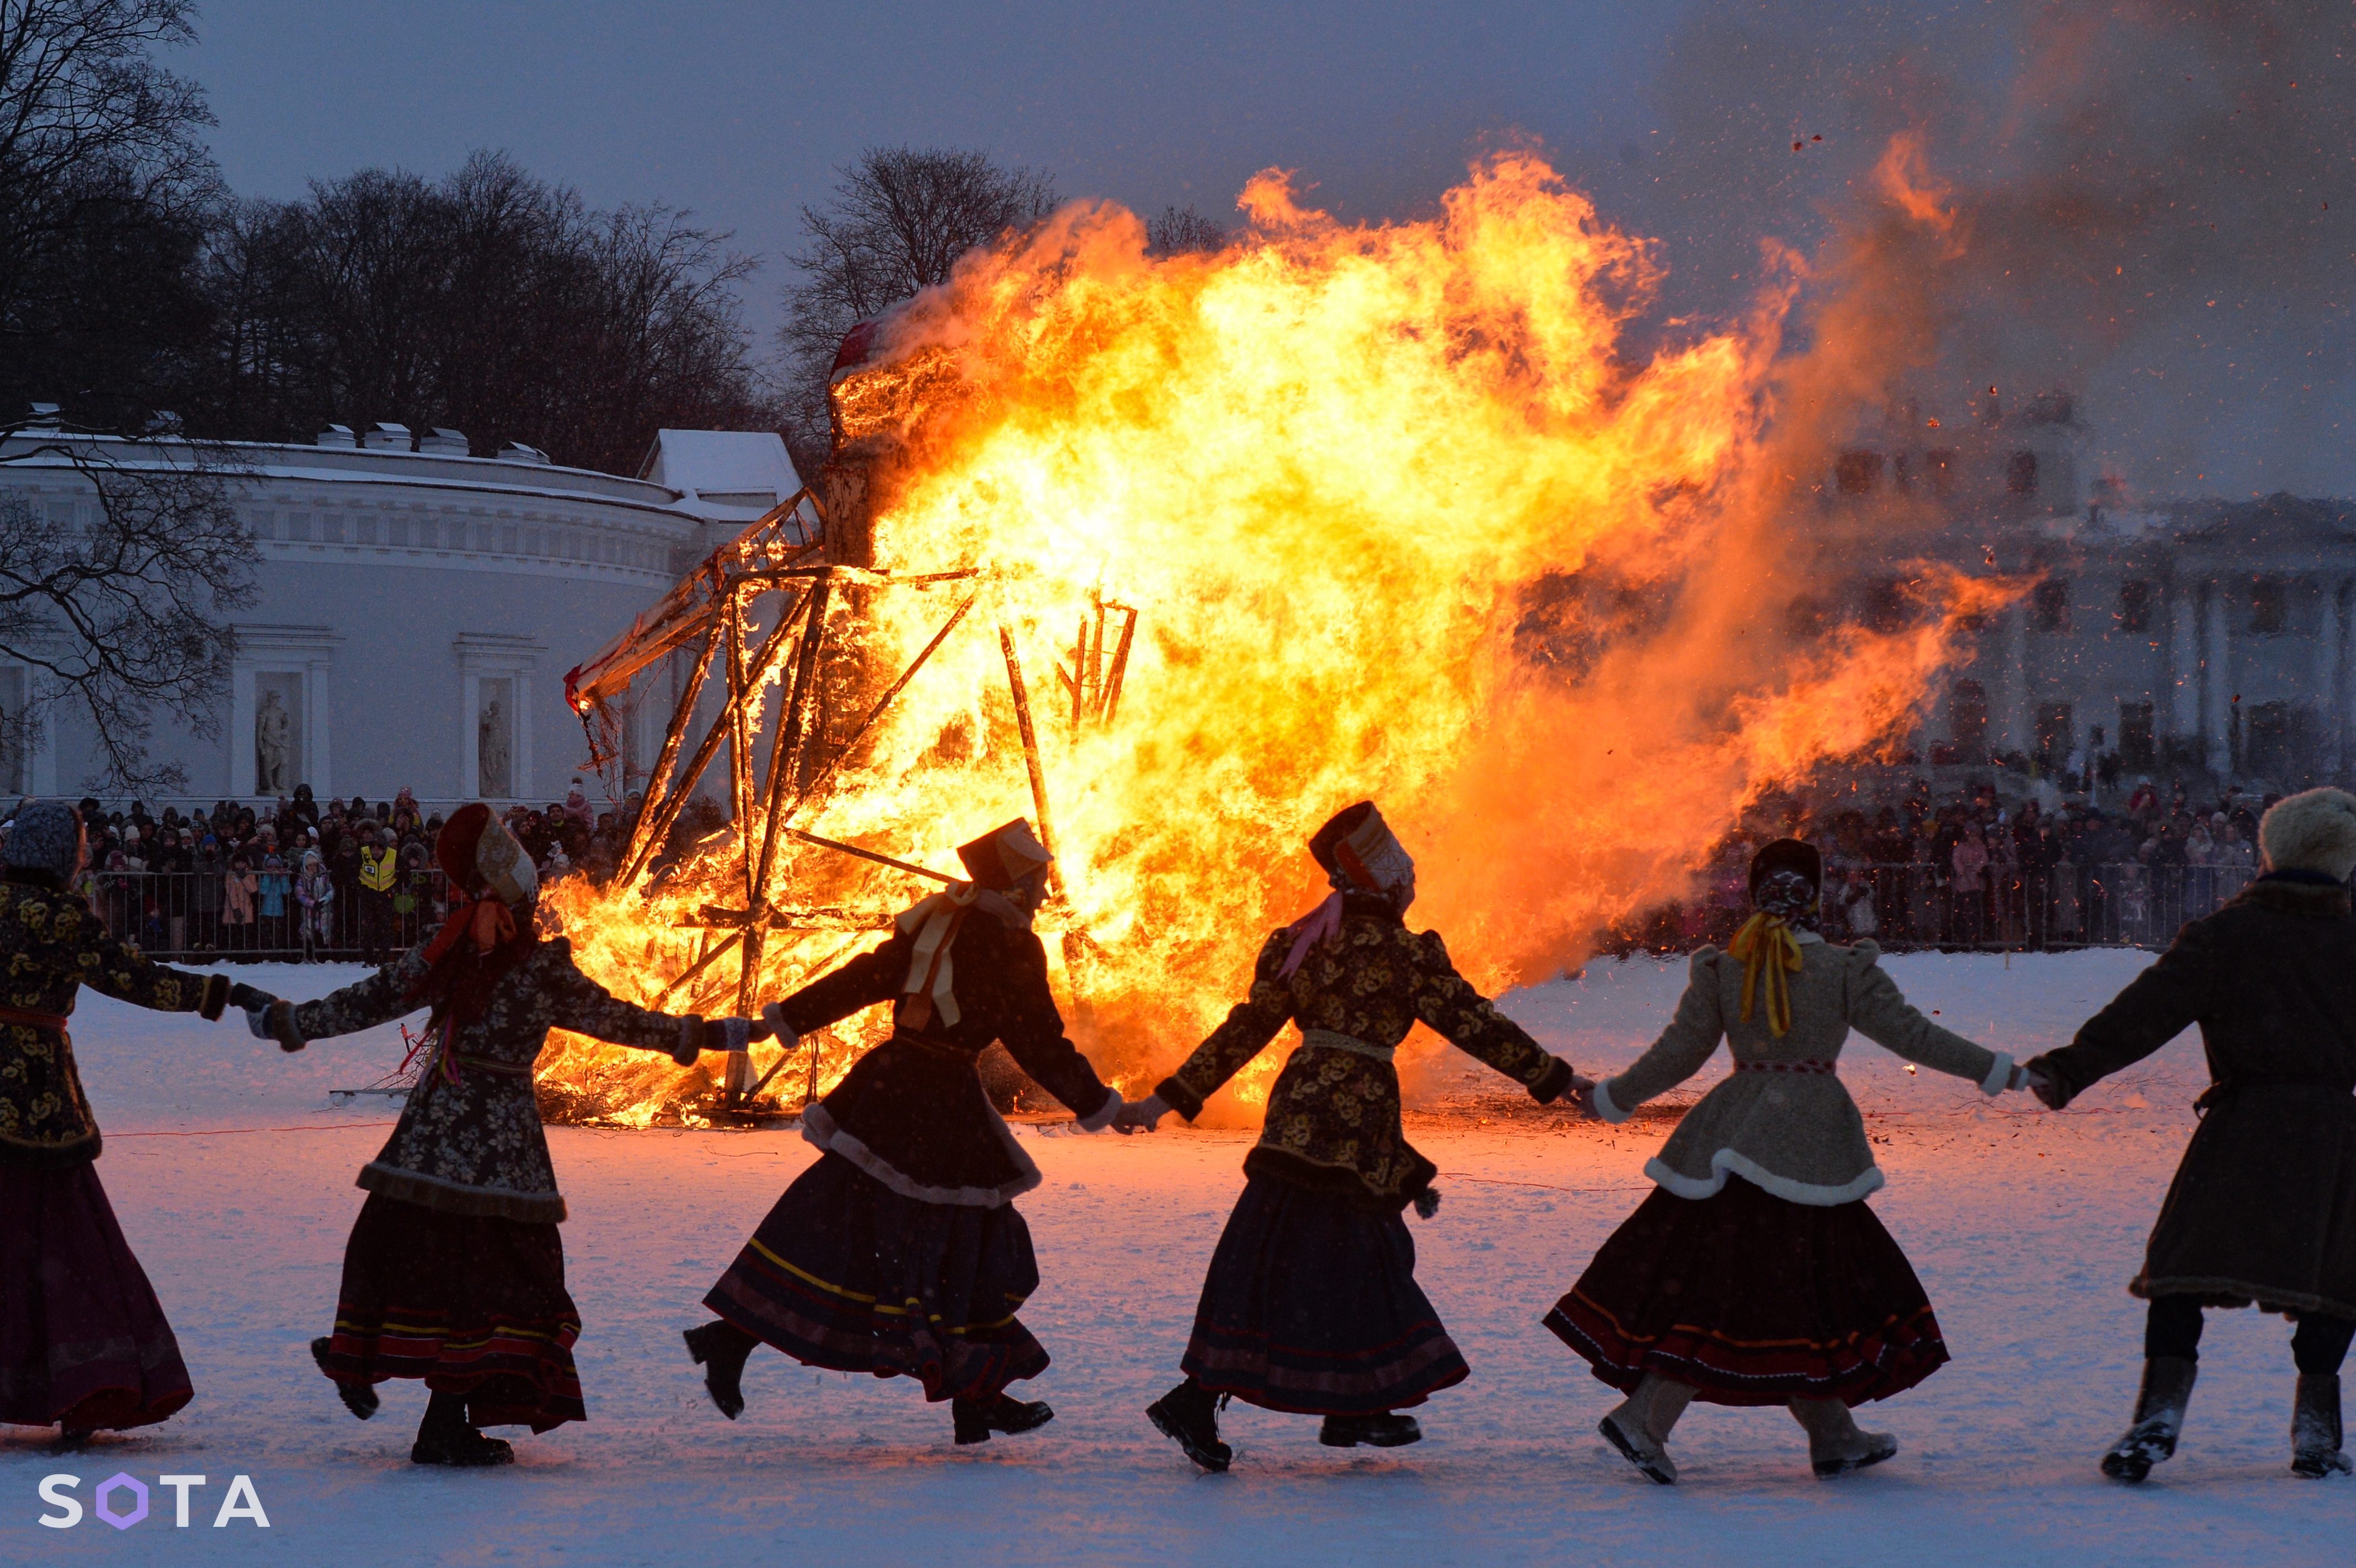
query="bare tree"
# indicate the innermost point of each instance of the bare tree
(103, 184)
(897, 222)
(117, 611)
(490, 300)
(1177, 232)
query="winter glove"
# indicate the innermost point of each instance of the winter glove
(773, 1019)
(1426, 1202)
(276, 1020)
(1140, 1115)
(697, 1036)
(252, 998)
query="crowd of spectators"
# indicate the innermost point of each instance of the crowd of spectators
(1974, 871)
(301, 880)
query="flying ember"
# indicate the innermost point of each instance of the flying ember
(1178, 555)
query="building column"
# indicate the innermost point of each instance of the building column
(2182, 721)
(2217, 684)
(2007, 704)
(2327, 675)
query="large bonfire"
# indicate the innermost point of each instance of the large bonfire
(1399, 517)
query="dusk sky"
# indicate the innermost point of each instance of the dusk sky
(1677, 117)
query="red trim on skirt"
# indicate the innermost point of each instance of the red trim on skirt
(1753, 1300)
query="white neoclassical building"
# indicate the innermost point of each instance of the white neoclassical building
(417, 608)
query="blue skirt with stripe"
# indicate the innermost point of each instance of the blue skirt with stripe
(847, 1274)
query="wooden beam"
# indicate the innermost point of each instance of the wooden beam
(1031, 753)
(704, 752)
(659, 781)
(810, 791)
(838, 846)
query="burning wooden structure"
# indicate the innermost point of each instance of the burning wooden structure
(771, 612)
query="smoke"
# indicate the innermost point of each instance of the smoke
(2152, 206)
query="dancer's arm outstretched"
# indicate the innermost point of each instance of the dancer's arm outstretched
(1688, 1041)
(2158, 1005)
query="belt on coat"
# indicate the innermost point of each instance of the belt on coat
(1811, 1065)
(1333, 1040)
(941, 1047)
(32, 1019)
(2223, 1086)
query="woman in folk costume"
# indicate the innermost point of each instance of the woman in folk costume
(2264, 1208)
(900, 1252)
(84, 1343)
(1755, 1275)
(455, 1272)
(1311, 1305)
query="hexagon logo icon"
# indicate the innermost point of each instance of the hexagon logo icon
(103, 1507)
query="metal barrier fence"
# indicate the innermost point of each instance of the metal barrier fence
(200, 916)
(2125, 904)
(2006, 907)
(196, 915)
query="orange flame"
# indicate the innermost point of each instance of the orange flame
(1402, 519)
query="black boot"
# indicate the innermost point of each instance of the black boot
(720, 1348)
(1389, 1430)
(2315, 1430)
(358, 1398)
(445, 1437)
(2159, 1419)
(1187, 1416)
(976, 1419)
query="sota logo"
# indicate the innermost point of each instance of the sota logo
(121, 1501)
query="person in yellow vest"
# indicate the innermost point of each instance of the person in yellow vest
(380, 869)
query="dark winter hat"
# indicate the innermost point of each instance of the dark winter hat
(47, 837)
(1787, 855)
(1003, 856)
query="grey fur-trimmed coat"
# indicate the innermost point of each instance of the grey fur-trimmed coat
(2263, 1207)
(1793, 1133)
(476, 1145)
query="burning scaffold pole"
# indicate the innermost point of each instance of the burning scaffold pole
(776, 568)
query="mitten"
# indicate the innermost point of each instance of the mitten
(250, 997)
(276, 1020)
(1426, 1202)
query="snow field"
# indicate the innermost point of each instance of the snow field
(2024, 1227)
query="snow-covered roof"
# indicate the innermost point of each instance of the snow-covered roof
(728, 471)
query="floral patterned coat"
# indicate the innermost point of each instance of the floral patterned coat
(1333, 1116)
(469, 1141)
(56, 946)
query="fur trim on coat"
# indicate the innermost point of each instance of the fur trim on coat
(1796, 1133)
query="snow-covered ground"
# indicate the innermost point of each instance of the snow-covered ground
(2024, 1226)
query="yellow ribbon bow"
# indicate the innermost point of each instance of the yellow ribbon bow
(1766, 942)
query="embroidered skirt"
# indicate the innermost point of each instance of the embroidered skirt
(84, 1343)
(1312, 1306)
(472, 1304)
(848, 1274)
(1752, 1300)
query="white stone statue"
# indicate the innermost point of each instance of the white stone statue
(491, 752)
(273, 746)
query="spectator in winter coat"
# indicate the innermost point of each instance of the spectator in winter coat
(205, 898)
(315, 891)
(237, 903)
(2263, 1208)
(277, 890)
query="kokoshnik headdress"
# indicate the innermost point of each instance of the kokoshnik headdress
(999, 861)
(1360, 854)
